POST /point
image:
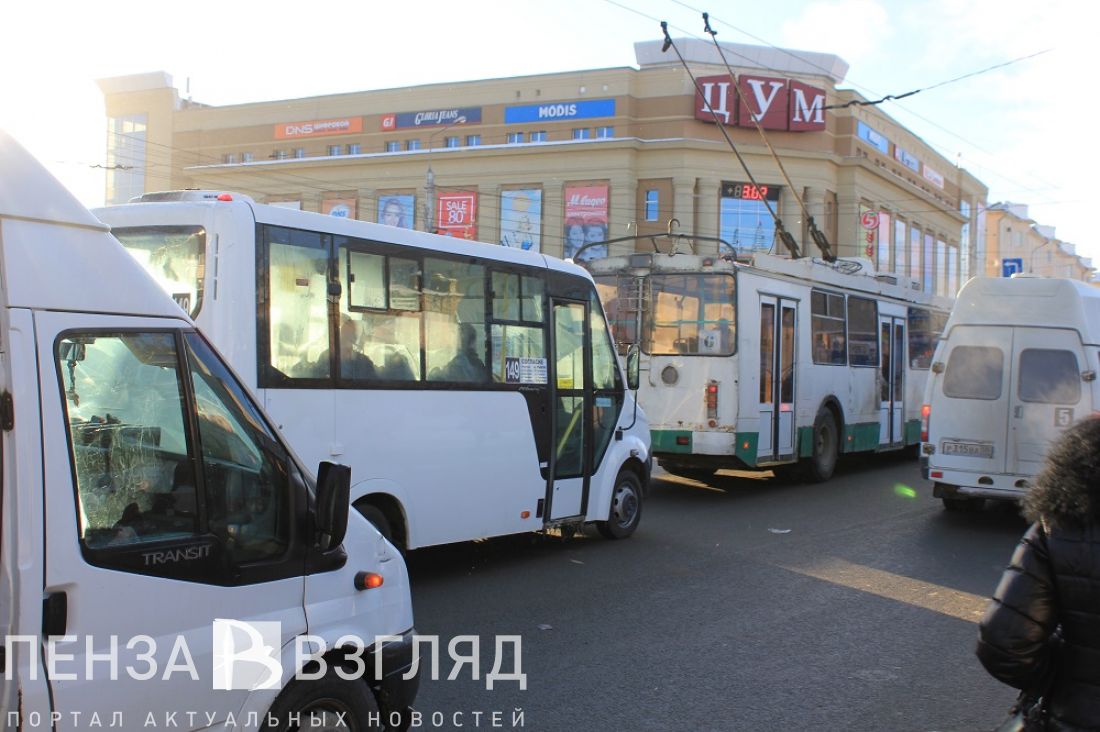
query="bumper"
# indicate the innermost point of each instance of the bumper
(963, 484)
(396, 693)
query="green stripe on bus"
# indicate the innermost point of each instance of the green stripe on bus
(746, 447)
(665, 441)
(912, 432)
(860, 437)
(805, 441)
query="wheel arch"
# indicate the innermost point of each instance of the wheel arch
(394, 511)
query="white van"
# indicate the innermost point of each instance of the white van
(1016, 366)
(162, 551)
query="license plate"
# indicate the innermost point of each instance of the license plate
(967, 449)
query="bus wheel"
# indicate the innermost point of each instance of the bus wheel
(820, 466)
(329, 704)
(626, 507)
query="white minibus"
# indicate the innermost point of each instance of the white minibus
(1016, 366)
(473, 389)
(150, 513)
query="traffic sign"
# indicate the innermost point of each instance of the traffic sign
(1011, 266)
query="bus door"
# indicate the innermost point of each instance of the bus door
(778, 329)
(1048, 394)
(892, 380)
(571, 400)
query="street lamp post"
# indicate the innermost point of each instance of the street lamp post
(429, 178)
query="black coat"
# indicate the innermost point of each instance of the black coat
(1053, 583)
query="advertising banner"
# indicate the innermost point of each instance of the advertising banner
(557, 111)
(456, 214)
(432, 118)
(318, 128)
(585, 220)
(341, 207)
(868, 228)
(397, 210)
(521, 218)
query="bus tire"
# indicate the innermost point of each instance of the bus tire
(826, 445)
(317, 705)
(626, 507)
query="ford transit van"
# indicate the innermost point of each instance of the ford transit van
(165, 558)
(1016, 366)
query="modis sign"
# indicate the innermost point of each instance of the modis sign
(319, 127)
(776, 103)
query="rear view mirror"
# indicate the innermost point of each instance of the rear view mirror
(633, 367)
(71, 351)
(333, 496)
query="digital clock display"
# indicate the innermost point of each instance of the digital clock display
(750, 192)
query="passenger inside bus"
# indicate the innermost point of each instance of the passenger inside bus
(354, 364)
(466, 366)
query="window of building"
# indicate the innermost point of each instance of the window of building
(652, 200)
(125, 157)
(537, 136)
(743, 217)
(299, 152)
(393, 146)
(582, 133)
(412, 144)
(229, 158)
(827, 321)
(246, 157)
(280, 155)
(354, 148)
(333, 149)
(473, 140)
(451, 141)
(901, 265)
(514, 138)
(605, 132)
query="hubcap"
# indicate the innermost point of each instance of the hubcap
(625, 505)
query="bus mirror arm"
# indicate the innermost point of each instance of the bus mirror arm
(333, 499)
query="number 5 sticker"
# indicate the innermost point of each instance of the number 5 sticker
(1063, 416)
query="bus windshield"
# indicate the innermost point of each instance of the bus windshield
(619, 295)
(690, 314)
(174, 256)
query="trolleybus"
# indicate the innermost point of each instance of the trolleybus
(774, 363)
(473, 389)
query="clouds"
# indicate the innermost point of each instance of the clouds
(855, 30)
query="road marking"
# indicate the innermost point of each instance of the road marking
(925, 595)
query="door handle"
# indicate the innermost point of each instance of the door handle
(55, 614)
(1018, 412)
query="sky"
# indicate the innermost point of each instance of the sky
(1022, 129)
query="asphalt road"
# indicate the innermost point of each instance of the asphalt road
(738, 605)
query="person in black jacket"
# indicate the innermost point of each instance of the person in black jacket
(1042, 629)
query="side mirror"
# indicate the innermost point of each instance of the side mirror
(333, 498)
(1088, 376)
(633, 367)
(937, 367)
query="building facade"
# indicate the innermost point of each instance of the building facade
(1016, 243)
(549, 162)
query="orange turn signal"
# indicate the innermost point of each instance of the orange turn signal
(368, 580)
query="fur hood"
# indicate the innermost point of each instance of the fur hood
(1067, 490)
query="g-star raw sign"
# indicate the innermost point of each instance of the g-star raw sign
(777, 104)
